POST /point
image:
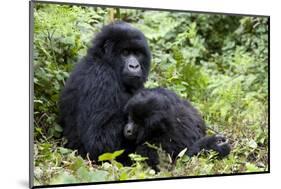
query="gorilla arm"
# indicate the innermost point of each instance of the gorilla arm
(99, 118)
(217, 143)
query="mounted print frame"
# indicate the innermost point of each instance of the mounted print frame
(125, 94)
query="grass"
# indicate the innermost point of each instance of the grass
(247, 131)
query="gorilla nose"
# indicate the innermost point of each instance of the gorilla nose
(134, 66)
(129, 131)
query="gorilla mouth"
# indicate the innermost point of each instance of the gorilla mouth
(133, 80)
(133, 76)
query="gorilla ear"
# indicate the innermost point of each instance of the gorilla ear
(107, 47)
(100, 48)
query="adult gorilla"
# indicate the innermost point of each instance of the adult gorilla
(158, 116)
(92, 102)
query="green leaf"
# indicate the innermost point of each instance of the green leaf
(252, 144)
(64, 150)
(182, 153)
(252, 168)
(118, 153)
(99, 175)
(64, 178)
(106, 156)
(77, 164)
(58, 128)
(110, 156)
(118, 165)
(83, 173)
(137, 157)
(123, 176)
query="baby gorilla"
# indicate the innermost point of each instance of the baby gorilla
(158, 116)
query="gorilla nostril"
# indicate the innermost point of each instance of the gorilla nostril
(219, 141)
(134, 67)
(129, 132)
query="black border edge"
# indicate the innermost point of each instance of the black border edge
(268, 71)
(31, 93)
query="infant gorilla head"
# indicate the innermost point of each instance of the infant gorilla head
(158, 116)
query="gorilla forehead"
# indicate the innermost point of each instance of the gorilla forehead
(121, 31)
(147, 101)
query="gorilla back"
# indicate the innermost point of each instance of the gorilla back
(91, 104)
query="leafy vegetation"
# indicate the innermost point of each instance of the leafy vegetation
(218, 62)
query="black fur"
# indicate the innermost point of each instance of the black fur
(92, 102)
(159, 117)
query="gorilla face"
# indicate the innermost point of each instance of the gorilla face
(132, 72)
(134, 60)
(131, 130)
(136, 131)
(147, 112)
(126, 50)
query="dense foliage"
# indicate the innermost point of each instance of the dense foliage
(218, 62)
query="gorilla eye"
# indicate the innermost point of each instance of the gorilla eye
(125, 52)
(137, 53)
